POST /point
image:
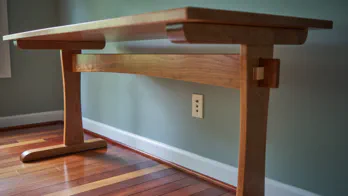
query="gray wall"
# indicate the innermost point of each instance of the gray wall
(307, 131)
(35, 85)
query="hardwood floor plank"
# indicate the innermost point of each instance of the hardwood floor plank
(41, 125)
(229, 194)
(19, 179)
(9, 174)
(68, 169)
(211, 192)
(10, 164)
(64, 162)
(68, 176)
(24, 168)
(133, 184)
(47, 180)
(36, 166)
(92, 176)
(8, 142)
(112, 171)
(111, 153)
(45, 137)
(22, 143)
(124, 191)
(170, 187)
(18, 132)
(27, 133)
(14, 158)
(189, 190)
(19, 149)
(108, 181)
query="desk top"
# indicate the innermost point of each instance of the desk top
(153, 25)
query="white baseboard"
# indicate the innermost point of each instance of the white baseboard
(214, 169)
(25, 119)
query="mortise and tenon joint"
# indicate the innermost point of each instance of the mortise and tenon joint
(267, 73)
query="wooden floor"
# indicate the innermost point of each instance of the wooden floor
(112, 171)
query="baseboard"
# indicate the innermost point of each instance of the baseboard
(28, 119)
(216, 170)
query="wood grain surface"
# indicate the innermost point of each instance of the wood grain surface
(73, 131)
(253, 123)
(217, 70)
(202, 33)
(60, 45)
(153, 25)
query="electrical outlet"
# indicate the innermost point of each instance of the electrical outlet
(197, 106)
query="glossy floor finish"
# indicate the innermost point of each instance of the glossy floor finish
(111, 171)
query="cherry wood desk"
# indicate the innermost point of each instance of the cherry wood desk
(253, 71)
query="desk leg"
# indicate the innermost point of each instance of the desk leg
(253, 128)
(73, 131)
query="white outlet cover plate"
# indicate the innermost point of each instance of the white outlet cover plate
(197, 106)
